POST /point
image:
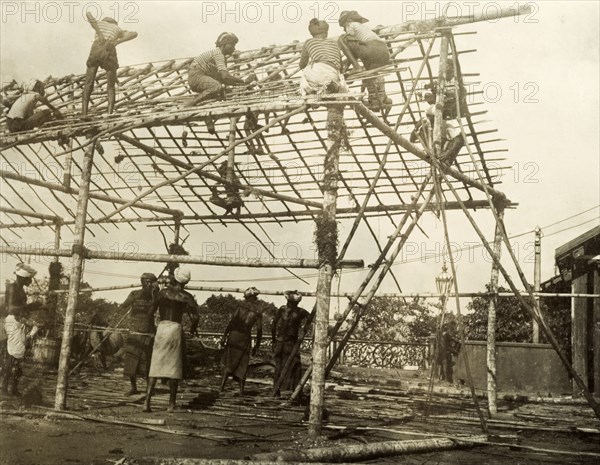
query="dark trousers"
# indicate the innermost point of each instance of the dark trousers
(11, 372)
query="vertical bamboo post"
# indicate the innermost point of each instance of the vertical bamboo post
(60, 401)
(439, 126)
(537, 275)
(177, 232)
(327, 234)
(492, 393)
(52, 295)
(231, 155)
(579, 323)
(596, 334)
(57, 226)
(69, 155)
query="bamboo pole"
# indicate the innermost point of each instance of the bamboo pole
(363, 207)
(387, 264)
(424, 295)
(92, 195)
(525, 304)
(231, 155)
(57, 227)
(492, 394)
(16, 211)
(404, 143)
(537, 278)
(191, 259)
(196, 169)
(532, 309)
(60, 401)
(335, 128)
(189, 166)
(373, 269)
(461, 328)
(596, 330)
(362, 452)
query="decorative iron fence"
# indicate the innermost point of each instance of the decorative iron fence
(360, 353)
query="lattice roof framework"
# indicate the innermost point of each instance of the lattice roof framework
(151, 118)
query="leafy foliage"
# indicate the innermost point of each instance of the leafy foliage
(513, 322)
(216, 312)
(393, 319)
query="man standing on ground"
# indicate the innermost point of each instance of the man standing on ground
(237, 339)
(16, 329)
(138, 346)
(286, 330)
(169, 344)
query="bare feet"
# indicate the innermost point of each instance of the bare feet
(132, 392)
(147, 408)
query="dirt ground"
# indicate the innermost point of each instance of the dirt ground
(363, 405)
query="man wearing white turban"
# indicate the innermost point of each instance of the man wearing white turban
(14, 330)
(168, 353)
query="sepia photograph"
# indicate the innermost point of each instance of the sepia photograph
(260, 232)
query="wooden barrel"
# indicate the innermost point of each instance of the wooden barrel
(46, 351)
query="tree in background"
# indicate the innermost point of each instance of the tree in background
(513, 322)
(216, 312)
(395, 319)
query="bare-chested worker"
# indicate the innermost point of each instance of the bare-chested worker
(169, 344)
(237, 339)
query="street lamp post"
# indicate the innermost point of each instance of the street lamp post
(443, 283)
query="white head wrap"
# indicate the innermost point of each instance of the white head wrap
(182, 275)
(25, 271)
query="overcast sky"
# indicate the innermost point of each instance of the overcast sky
(541, 73)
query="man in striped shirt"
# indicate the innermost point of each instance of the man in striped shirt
(321, 62)
(208, 72)
(103, 54)
(361, 42)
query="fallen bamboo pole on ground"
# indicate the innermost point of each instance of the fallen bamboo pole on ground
(365, 451)
(197, 461)
(72, 416)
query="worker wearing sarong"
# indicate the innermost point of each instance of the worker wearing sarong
(237, 338)
(22, 115)
(169, 344)
(287, 328)
(321, 62)
(103, 54)
(208, 72)
(138, 347)
(360, 42)
(16, 329)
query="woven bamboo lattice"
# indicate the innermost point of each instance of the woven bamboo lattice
(153, 137)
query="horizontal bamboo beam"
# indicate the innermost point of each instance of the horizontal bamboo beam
(189, 259)
(86, 289)
(72, 190)
(424, 295)
(41, 216)
(173, 116)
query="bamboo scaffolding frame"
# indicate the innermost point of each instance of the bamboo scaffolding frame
(154, 103)
(191, 259)
(72, 190)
